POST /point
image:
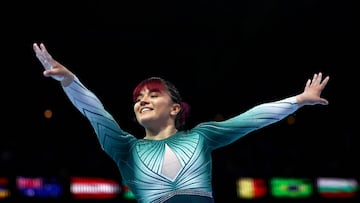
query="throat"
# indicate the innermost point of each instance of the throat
(159, 135)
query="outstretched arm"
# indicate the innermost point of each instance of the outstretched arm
(230, 130)
(114, 141)
(52, 67)
(312, 92)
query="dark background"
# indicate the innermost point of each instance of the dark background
(224, 56)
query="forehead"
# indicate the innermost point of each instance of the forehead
(149, 86)
(146, 90)
(152, 87)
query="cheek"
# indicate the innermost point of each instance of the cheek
(136, 106)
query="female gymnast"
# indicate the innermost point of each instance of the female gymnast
(170, 164)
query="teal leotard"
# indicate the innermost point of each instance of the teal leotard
(158, 170)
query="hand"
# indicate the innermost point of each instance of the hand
(47, 61)
(313, 90)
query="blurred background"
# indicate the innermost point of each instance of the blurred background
(224, 57)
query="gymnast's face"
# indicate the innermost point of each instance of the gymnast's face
(155, 109)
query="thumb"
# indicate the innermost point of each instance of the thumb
(54, 74)
(324, 101)
(47, 72)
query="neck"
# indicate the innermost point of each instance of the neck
(160, 134)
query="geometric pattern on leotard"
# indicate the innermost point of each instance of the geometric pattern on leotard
(153, 154)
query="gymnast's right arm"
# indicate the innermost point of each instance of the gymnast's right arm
(112, 138)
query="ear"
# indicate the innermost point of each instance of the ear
(175, 109)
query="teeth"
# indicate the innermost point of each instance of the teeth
(145, 109)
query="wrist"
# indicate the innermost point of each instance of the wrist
(67, 80)
(300, 100)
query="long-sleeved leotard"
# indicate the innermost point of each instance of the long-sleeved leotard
(156, 170)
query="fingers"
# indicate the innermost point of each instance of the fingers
(324, 82)
(43, 48)
(36, 48)
(47, 61)
(43, 56)
(40, 50)
(317, 79)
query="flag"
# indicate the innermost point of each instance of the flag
(93, 188)
(337, 187)
(39, 187)
(251, 188)
(291, 187)
(4, 188)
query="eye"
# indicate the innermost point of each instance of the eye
(154, 94)
(138, 99)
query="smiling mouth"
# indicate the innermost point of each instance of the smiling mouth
(144, 110)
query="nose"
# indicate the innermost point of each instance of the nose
(143, 102)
